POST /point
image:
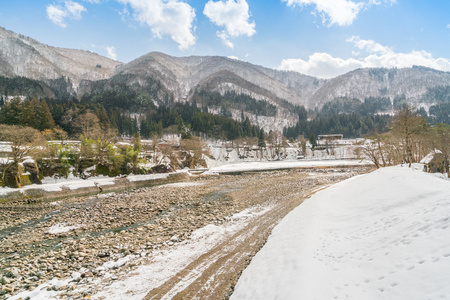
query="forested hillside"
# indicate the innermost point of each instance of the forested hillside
(132, 109)
(76, 117)
(354, 118)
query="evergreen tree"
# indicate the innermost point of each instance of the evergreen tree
(44, 117)
(261, 139)
(312, 140)
(11, 112)
(103, 117)
(28, 115)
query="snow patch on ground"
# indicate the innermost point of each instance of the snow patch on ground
(181, 184)
(136, 178)
(61, 228)
(383, 235)
(44, 291)
(277, 165)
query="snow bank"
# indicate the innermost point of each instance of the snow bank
(135, 178)
(43, 291)
(277, 165)
(60, 184)
(383, 235)
(74, 183)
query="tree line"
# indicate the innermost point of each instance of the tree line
(355, 118)
(409, 139)
(82, 117)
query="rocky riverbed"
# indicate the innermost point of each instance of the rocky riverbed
(83, 239)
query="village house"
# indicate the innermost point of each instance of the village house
(433, 162)
(5, 149)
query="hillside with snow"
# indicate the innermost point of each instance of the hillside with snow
(384, 235)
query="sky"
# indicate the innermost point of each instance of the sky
(321, 38)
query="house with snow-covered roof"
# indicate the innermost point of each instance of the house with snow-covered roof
(5, 149)
(434, 162)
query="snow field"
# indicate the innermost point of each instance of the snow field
(384, 235)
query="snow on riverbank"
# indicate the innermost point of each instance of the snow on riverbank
(284, 164)
(384, 235)
(74, 183)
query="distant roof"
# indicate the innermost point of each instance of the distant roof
(5, 147)
(427, 159)
(325, 136)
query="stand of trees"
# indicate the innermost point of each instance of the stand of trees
(78, 117)
(410, 139)
(354, 118)
(350, 125)
(232, 100)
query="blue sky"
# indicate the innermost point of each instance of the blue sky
(322, 38)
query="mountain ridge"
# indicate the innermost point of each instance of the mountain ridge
(171, 79)
(26, 57)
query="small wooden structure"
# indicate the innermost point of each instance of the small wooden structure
(330, 137)
(434, 162)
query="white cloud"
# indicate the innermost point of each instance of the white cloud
(369, 45)
(58, 13)
(405, 60)
(171, 18)
(338, 12)
(321, 65)
(448, 26)
(112, 53)
(324, 65)
(224, 37)
(74, 9)
(379, 2)
(233, 15)
(234, 57)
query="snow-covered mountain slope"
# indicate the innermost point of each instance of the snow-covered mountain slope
(382, 235)
(363, 83)
(26, 57)
(213, 73)
(182, 76)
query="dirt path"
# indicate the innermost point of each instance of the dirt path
(215, 273)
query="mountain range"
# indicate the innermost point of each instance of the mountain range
(181, 78)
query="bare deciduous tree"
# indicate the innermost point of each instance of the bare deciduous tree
(441, 142)
(24, 141)
(407, 126)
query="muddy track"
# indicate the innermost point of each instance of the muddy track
(215, 273)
